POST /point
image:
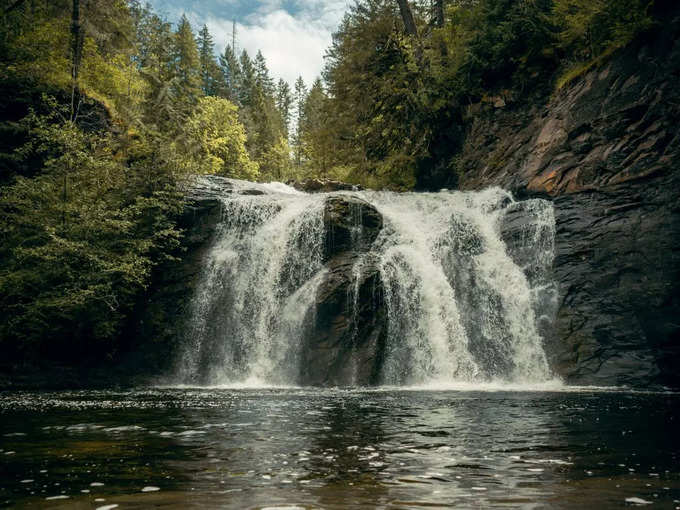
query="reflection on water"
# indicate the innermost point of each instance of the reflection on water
(304, 448)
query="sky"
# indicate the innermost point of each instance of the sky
(292, 34)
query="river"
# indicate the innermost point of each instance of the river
(480, 446)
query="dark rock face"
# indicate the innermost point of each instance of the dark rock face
(351, 225)
(607, 150)
(346, 344)
(618, 265)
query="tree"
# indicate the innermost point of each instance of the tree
(232, 76)
(77, 40)
(299, 97)
(248, 77)
(439, 13)
(212, 81)
(187, 67)
(589, 28)
(262, 74)
(218, 139)
(284, 103)
(315, 135)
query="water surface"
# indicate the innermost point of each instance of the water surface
(310, 448)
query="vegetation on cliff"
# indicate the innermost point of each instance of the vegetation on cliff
(107, 107)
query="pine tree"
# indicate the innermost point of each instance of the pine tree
(187, 66)
(247, 79)
(299, 97)
(232, 76)
(262, 74)
(315, 136)
(284, 103)
(212, 81)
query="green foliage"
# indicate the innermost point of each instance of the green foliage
(78, 243)
(219, 140)
(589, 28)
(589, 31)
(89, 203)
(187, 67)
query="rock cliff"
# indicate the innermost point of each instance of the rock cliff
(606, 149)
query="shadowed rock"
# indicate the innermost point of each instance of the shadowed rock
(346, 344)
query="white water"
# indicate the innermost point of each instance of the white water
(460, 309)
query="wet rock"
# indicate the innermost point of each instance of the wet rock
(346, 344)
(252, 192)
(351, 224)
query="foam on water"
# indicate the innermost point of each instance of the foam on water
(463, 310)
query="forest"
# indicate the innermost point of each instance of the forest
(108, 108)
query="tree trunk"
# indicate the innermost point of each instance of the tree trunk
(439, 13)
(407, 16)
(76, 57)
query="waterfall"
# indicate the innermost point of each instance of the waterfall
(466, 286)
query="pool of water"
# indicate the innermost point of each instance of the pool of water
(311, 448)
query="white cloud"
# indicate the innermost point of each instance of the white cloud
(292, 44)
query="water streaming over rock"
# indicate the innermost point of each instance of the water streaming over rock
(464, 285)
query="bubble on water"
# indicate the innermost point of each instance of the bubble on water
(188, 433)
(535, 470)
(283, 508)
(106, 507)
(478, 488)
(96, 484)
(552, 461)
(150, 488)
(27, 481)
(124, 428)
(15, 434)
(99, 500)
(85, 491)
(61, 496)
(637, 501)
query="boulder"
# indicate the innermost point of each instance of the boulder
(346, 344)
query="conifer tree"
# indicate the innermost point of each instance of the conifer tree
(262, 74)
(284, 103)
(187, 66)
(212, 82)
(299, 97)
(232, 76)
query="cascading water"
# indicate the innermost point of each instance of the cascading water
(461, 305)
